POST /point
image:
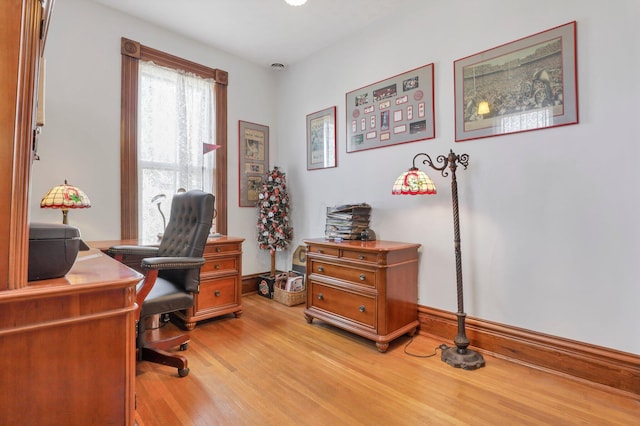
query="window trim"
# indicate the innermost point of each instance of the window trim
(132, 52)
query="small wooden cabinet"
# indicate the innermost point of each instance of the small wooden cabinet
(220, 282)
(369, 288)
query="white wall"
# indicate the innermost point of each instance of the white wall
(550, 235)
(81, 138)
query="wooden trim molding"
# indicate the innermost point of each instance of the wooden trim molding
(250, 283)
(128, 138)
(132, 52)
(614, 369)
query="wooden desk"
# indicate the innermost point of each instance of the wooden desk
(68, 346)
(220, 279)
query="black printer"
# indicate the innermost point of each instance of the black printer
(53, 249)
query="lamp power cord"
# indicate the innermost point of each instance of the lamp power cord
(441, 347)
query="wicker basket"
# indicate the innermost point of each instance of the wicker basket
(289, 298)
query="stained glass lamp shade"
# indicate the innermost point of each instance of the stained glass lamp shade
(65, 197)
(414, 182)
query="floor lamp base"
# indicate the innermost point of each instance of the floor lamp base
(467, 359)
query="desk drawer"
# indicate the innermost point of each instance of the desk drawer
(353, 306)
(360, 276)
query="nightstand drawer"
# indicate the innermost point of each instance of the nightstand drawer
(219, 265)
(353, 306)
(221, 248)
(355, 275)
(216, 293)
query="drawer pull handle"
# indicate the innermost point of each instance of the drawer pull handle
(320, 251)
(217, 293)
(361, 257)
(218, 249)
(363, 277)
(320, 269)
(217, 266)
(361, 308)
(320, 296)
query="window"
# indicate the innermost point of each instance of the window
(159, 155)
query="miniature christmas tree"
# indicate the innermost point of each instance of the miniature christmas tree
(274, 230)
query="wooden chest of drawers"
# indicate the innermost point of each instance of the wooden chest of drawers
(369, 288)
(220, 282)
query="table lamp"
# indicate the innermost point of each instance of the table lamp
(65, 197)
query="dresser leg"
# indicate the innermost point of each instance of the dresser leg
(308, 318)
(382, 346)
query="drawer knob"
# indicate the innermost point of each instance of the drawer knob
(320, 296)
(363, 277)
(361, 257)
(217, 266)
(361, 308)
(217, 293)
(218, 249)
(320, 269)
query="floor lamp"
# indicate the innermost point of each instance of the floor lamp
(416, 182)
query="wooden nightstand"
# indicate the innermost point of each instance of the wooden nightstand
(369, 288)
(220, 282)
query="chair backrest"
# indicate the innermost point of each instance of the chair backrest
(186, 233)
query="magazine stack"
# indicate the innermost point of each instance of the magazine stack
(347, 221)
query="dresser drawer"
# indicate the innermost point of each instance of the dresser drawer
(359, 275)
(360, 256)
(325, 251)
(219, 265)
(353, 306)
(216, 293)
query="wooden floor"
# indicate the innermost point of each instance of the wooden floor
(269, 367)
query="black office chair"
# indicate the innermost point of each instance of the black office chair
(171, 273)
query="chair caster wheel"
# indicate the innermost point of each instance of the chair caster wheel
(183, 372)
(184, 346)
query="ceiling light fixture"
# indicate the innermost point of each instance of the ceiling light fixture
(296, 2)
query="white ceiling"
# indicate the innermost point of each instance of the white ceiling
(262, 31)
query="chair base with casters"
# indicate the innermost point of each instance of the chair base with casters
(156, 351)
(163, 297)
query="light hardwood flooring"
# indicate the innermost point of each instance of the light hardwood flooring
(269, 367)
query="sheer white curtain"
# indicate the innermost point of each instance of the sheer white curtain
(176, 118)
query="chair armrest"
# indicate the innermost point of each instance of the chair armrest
(163, 263)
(147, 251)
